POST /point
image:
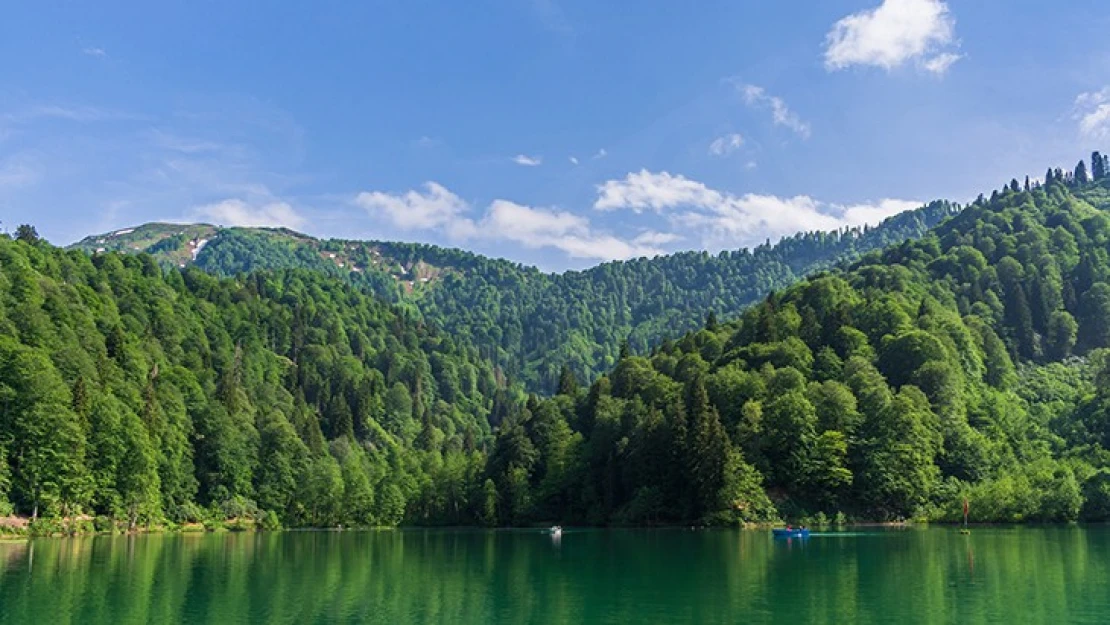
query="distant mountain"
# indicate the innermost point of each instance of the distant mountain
(532, 324)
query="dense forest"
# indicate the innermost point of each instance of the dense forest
(529, 323)
(970, 362)
(142, 395)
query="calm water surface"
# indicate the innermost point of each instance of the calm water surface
(1059, 575)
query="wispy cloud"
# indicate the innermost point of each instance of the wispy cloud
(726, 144)
(1092, 110)
(573, 160)
(892, 34)
(189, 145)
(67, 113)
(528, 161)
(756, 97)
(724, 219)
(940, 63)
(652, 238)
(99, 53)
(601, 153)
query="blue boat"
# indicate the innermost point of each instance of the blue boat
(790, 532)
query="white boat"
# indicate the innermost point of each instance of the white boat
(556, 530)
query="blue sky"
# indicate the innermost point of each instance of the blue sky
(553, 132)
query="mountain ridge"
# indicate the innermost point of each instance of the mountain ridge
(531, 323)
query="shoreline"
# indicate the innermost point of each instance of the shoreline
(84, 529)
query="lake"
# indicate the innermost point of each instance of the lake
(1019, 575)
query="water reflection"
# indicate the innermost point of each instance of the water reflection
(660, 576)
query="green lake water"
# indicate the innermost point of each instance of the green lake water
(1020, 575)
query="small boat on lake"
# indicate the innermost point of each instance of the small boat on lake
(556, 530)
(790, 532)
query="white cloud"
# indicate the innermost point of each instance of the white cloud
(528, 161)
(645, 190)
(436, 207)
(441, 210)
(1093, 112)
(573, 160)
(96, 52)
(893, 33)
(725, 145)
(940, 63)
(236, 212)
(602, 153)
(723, 219)
(526, 223)
(533, 227)
(572, 234)
(758, 98)
(860, 214)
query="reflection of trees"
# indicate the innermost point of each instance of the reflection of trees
(598, 576)
(11, 554)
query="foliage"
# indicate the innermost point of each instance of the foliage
(883, 390)
(973, 362)
(534, 326)
(145, 395)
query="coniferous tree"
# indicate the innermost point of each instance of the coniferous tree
(1081, 176)
(1098, 166)
(568, 383)
(27, 234)
(711, 321)
(707, 449)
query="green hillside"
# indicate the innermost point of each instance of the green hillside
(529, 323)
(970, 363)
(140, 394)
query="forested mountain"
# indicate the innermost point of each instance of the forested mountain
(970, 363)
(527, 322)
(142, 394)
